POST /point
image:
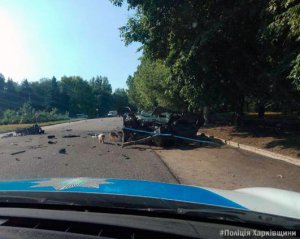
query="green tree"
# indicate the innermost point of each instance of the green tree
(2, 99)
(210, 47)
(80, 95)
(151, 87)
(102, 94)
(12, 99)
(54, 93)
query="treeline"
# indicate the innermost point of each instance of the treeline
(220, 55)
(67, 96)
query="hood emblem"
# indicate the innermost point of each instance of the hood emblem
(66, 183)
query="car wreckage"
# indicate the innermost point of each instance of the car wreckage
(34, 129)
(160, 127)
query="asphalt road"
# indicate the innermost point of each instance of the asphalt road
(84, 156)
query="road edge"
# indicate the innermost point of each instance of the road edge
(259, 151)
(168, 167)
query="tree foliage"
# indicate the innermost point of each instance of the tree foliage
(222, 53)
(50, 97)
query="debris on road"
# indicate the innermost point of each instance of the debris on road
(7, 136)
(62, 151)
(68, 130)
(35, 129)
(51, 136)
(18, 152)
(71, 136)
(52, 142)
(37, 146)
(17, 159)
(125, 156)
(93, 147)
(280, 176)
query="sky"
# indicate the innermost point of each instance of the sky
(46, 38)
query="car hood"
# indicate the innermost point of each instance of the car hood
(259, 199)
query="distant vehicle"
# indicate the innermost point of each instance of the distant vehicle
(112, 113)
(81, 116)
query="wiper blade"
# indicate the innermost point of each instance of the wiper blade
(232, 215)
(26, 199)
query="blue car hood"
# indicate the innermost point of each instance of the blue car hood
(264, 200)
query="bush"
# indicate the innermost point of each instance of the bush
(27, 114)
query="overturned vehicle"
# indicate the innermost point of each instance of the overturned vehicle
(160, 127)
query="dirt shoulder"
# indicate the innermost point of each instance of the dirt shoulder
(229, 168)
(286, 144)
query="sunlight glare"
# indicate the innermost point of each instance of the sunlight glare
(13, 61)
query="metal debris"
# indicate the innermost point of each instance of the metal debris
(62, 151)
(35, 129)
(71, 136)
(7, 136)
(19, 152)
(52, 142)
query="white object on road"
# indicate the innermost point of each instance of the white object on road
(101, 138)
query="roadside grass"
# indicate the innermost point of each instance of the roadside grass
(13, 127)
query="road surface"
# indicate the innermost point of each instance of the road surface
(84, 156)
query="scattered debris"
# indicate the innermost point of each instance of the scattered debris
(19, 152)
(71, 136)
(37, 157)
(93, 147)
(108, 151)
(68, 130)
(280, 176)
(62, 151)
(66, 164)
(17, 159)
(14, 144)
(35, 129)
(94, 136)
(52, 142)
(7, 136)
(28, 141)
(84, 137)
(125, 156)
(51, 136)
(37, 146)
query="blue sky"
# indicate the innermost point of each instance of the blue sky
(45, 38)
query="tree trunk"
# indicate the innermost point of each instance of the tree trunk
(261, 110)
(206, 115)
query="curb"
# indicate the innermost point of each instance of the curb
(260, 151)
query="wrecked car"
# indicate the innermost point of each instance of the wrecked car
(34, 129)
(160, 126)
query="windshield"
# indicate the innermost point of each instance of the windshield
(203, 93)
